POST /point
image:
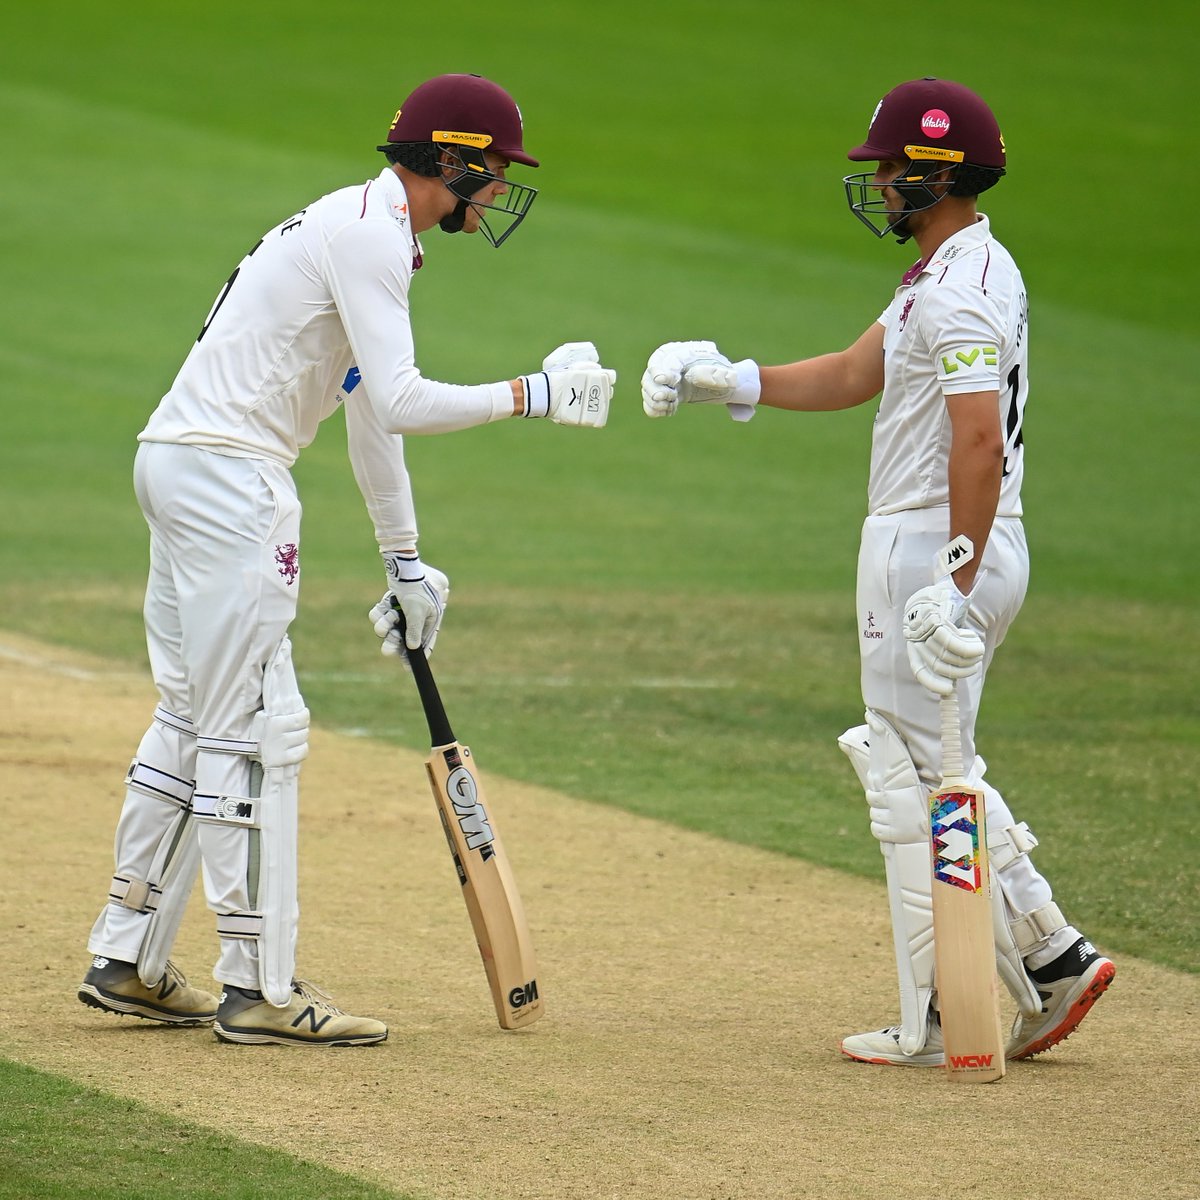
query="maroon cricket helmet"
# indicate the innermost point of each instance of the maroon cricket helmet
(933, 119)
(465, 110)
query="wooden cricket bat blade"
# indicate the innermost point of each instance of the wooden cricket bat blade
(489, 889)
(963, 938)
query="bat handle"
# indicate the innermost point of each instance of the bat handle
(954, 554)
(440, 733)
(952, 755)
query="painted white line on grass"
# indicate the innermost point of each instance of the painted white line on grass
(529, 681)
(46, 664)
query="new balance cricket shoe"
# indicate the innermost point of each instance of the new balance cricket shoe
(883, 1047)
(114, 986)
(310, 1019)
(1068, 986)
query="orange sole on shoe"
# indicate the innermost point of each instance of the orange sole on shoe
(1075, 1014)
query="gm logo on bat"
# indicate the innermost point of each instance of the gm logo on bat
(472, 816)
(523, 994)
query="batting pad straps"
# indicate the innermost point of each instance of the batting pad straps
(1005, 846)
(1031, 929)
(135, 894)
(171, 720)
(227, 807)
(240, 925)
(231, 810)
(161, 785)
(228, 745)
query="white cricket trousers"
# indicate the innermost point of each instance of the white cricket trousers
(222, 591)
(896, 559)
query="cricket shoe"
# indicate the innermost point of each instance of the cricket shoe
(1068, 986)
(115, 986)
(309, 1019)
(883, 1047)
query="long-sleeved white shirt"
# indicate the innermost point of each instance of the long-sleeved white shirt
(320, 301)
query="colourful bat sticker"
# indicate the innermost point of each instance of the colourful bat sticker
(954, 820)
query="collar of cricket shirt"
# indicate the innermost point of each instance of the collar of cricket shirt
(397, 205)
(969, 238)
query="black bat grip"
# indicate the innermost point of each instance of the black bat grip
(440, 733)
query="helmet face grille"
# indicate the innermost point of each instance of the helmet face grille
(498, 218)
(871, 207)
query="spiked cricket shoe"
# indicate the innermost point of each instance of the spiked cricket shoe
(115, 986)
(883, 1047)
(1068, 986)
(310, 1019)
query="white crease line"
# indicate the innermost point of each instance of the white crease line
(45, 664)
(546, 681)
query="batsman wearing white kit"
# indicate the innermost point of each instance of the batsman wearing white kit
(950, 355)
(314, 319)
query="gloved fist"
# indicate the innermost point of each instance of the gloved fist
(577, 394)
(571, 354)
(940, 651)
(422, 593)
(698, 373)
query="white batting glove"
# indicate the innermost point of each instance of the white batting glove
(940, 651)
(422, 593)
(571, 354)
(579, 394)
(698, 373)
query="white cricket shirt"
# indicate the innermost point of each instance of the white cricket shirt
(318, 305)
(957, 324)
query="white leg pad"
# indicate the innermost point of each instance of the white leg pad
(283, 746)
(855, 745)
(155, 849)
(909, 884)
(1017, 933)
(268, 815)
(177, 876)
(899, 807)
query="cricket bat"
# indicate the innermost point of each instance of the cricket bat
(963, 940)
(488, 887)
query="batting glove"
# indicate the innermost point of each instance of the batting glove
(698, 373)
(571, 354)
(422, 593)
(577, 394)
(940, 651)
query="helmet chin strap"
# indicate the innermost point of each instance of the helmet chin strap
(453, 221)
(901, 228)
(464, 187)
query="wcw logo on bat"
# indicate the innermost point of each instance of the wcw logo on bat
(955, 825)
(471, 815)
(960, 1061)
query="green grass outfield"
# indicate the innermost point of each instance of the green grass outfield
(658, 616)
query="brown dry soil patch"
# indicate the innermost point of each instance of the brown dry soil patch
(695, 992)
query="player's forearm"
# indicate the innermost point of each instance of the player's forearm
(975, 472)
(382, 477)
(820, 384)
(415, 405)
(829, 382)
